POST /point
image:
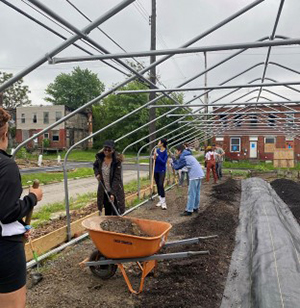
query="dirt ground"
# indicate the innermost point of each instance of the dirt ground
(191, 282)
(289, 192)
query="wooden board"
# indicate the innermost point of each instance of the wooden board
(284, 154)
(269, 148)
(284, 163)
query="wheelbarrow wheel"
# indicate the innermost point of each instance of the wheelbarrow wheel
(102, 271)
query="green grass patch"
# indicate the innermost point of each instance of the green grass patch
(51, 177)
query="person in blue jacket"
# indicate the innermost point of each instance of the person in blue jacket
(186, 159)
(161, 158)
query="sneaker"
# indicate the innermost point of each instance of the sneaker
(159, 204)
(196, 211)
(185, 213)
(164, 206)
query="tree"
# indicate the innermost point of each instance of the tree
(114, 107)
(75, 89)
(16, 95)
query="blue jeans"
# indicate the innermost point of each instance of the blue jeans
(193, 195)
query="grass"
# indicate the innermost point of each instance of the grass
(51, 177)
(78, 155)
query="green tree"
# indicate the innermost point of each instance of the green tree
(75, 89)
(114, 107)
(16, 95)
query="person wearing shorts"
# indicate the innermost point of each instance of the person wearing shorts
(12, 227)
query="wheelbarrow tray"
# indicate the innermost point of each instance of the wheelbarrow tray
(119, 246)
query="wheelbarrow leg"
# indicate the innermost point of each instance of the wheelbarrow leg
(121, 267)
(147, 268)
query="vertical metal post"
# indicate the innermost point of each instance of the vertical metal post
(152, 111)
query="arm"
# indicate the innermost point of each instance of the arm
(11, 207)
(96, 167)
(163, 157)
(179, 163)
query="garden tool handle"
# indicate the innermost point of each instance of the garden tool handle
(36, 184)
(152, 178)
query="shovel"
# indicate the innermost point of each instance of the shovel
(36, 277)
(152, 180)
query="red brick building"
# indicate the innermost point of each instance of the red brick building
(256, 134)
(33, 119)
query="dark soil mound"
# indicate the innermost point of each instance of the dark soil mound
(122, 225)
(227, 191)
(198, 281)
(289, 192)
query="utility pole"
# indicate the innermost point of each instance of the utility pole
(152, 111)
(206, 95)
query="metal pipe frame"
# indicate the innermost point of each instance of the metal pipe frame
(154, 64)
(138, 109)
(247, 85)
(177, 51)
(85, 31)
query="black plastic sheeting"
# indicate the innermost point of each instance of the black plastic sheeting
(265, 265)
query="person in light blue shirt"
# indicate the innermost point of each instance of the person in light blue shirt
(186, 159)
(161, 158)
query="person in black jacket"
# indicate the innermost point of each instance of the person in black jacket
(12, 227)
(108, 171)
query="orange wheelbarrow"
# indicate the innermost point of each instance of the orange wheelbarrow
(115, 249)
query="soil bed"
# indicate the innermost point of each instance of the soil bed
(122, 225)
(191, 282)
(289, 192)
(226, 191)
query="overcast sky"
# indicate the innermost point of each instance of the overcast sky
(178, 21)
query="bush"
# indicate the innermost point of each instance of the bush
(46, 143)
(22, 154)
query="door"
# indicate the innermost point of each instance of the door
(253, 149)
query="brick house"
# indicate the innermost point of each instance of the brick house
(33, 119)
(256, 136)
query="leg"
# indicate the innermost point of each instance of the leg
(197, 195)
(161, 184)
(14, 299)
(207, 171)
(156, 178)
(107, 207)
(214, 173)
(191, 197)
(217, 169)
(220, 169)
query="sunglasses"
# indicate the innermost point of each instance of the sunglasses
(107, 149)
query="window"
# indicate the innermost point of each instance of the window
(235, 144)
(271, 120)
(55, 135)
(224, 121)
(46, 136)
(253, 120)
(46, 117)
(58, 115)
(34, 118)
(23, 118)
(270, 140)
(237, 121)
(290, 119)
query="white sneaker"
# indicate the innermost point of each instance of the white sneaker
(158, 204)
(164, 206)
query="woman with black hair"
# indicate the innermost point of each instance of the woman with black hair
(108, 171)
(161, 158)
(12, 226)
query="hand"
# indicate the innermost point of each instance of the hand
(154, 155)
(38, 193)
(112, 198)
(27, 234)
(98, 177)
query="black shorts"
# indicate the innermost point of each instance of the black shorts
(12, 266)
